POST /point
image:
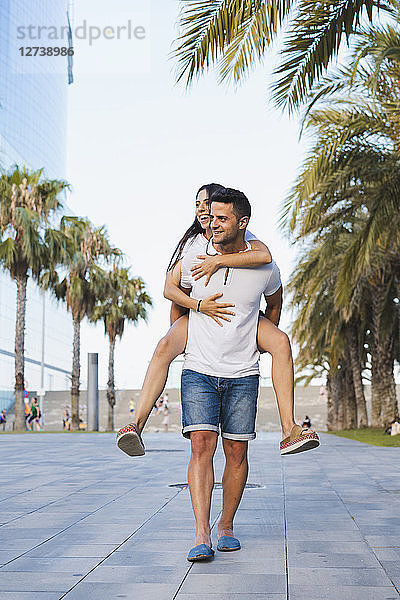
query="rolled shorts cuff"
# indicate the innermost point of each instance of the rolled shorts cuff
(202, 427)
(239, 437)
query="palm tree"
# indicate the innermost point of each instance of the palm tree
(124, 299)
(87, 248)
(329, 341)
(359, 181)
(233, 35)
(27, 202)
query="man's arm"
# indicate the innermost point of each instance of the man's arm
(274, 306)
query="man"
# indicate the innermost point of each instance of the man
(220, 375)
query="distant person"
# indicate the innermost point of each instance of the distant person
(3, 418)
(27, 413)
(66, 422)
(164, 409)
(34, 419)
(307, 422)
(322, 393)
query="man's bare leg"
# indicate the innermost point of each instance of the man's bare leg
(271, 339)
(201, 481)
(168, 348)
(233, 482)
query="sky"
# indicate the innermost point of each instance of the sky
(140, 146)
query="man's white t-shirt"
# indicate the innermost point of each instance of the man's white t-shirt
(231, 350)
(198, 243)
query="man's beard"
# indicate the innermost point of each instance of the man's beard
(228, 239)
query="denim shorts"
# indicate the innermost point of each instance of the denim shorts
(209, 403)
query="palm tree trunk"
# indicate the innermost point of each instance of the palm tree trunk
(387, 389)
(76, 372)
(21, 281)
(111, 385)
(341, 402)
(376, 400)
(332, 389)
(352, 344)
(350, 405)
(383, 388)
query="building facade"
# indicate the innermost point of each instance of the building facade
(33, 111)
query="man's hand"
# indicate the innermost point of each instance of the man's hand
(216, 311)
(210, 265)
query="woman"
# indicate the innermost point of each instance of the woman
(269, 337)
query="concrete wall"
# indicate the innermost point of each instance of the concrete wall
(307, 402)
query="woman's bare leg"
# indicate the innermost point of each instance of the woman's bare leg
(271, 339)
(168, 348)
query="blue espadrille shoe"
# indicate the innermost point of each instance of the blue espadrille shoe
(228, 544)
(200, 552)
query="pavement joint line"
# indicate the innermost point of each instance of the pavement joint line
(121, 544)
(71, 525)
(285, 531)
(191, 564)
(361, 533)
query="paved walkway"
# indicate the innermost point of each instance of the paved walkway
(80, 520)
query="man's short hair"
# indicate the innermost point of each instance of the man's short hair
(240, 204)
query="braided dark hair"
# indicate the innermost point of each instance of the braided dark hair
(195, 227)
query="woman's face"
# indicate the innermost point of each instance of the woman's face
(203, 209)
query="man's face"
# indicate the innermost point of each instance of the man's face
(224, 224)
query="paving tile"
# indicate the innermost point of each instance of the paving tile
(227, 583)
(51, 565)
(53, 549)
(335, 535)
(139, 574)
(40, 582)
(106, 591)
(275, 566)
(30, 595)
(334, 547)
(132, 559)
(21, 544)
(335, 592)
(325, 559)
(338, 576)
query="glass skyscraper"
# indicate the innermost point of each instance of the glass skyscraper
(33, 98)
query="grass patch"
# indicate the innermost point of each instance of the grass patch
(376, 437)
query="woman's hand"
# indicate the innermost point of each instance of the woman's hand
(206, 268)
(216, 311)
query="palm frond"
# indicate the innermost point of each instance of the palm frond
(210, 29)
(313, 41)
(254, 35)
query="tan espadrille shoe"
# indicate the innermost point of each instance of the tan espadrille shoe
(299, 440)
(130, 441)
